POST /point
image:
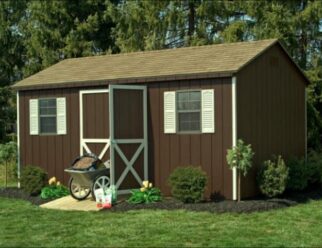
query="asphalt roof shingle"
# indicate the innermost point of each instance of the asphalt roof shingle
(219, 58)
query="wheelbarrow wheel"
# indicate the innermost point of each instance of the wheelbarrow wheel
(101, 182)
(76, 191)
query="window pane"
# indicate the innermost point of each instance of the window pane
(189, 121)
(48, 124)
(47, 106)
(189, 100)
(47, 111)
(195, 96)
(183, 96)
(51, 103)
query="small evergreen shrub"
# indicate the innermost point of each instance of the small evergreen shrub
(272, 177)
(147, 194)
(33, 179)
(298, 174)
(314, 167)
(188, 184)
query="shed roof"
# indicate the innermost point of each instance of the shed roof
(189, 62)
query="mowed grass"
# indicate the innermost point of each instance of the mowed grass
(23, 225)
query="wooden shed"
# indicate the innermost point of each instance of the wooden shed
(150, 112)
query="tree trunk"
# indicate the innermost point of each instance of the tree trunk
(6, 176)
(239, 186)
(191, 20)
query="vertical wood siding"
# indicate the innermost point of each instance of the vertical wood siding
(169, 151)
(270, 110)
(166, 151)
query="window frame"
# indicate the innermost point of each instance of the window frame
(39, 117)
(188, 111)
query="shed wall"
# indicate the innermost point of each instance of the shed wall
(270, 110)
(166, 151)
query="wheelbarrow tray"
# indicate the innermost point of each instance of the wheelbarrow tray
(86, 178)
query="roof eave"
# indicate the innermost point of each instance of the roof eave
(137, 80)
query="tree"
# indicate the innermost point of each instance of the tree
(8, 154)
(240, 157)
(11, 60)
(55, 30)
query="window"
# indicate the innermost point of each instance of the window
(189, 111)
(47, 116)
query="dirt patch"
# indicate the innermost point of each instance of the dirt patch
(20, 194)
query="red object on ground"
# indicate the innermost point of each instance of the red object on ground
(99, 205)
(107, 205)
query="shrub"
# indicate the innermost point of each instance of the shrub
(8, 156)
(240, 157)
(147, 194)
(188, 184)
(272, 177)
(53, 190)
(298, 174)
(314, 167)
(33, 179)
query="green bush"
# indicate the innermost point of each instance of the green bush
(298, 174)
(272, 177)
(188, 184)
(147, 194)
(314, 167)
(33, 179)
(54, 191)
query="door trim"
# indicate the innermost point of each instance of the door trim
(83, 141)
(114, 142)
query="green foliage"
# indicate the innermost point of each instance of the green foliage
(188, 184)
(8, 157)
(240, 157)
(37, 34)
(314, 167)
(55, 30)
(272, 177)
(145, 195)
(298, 174)
(53, 192)
(8, 152)
(33, 179)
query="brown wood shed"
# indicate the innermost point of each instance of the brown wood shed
(150, 112)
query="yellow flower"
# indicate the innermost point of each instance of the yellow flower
(142, 189)
(145, 184)
(52, 181)
(58, 183)
(150, 185)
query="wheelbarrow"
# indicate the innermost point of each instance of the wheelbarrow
(87, 174)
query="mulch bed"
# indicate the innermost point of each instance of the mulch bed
(223, 206)
(16, 193)
(247, 206)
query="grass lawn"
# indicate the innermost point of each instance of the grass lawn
(23, 224)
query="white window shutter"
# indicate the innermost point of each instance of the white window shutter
(169, 98)
(208, 111)
(61, 115)
(33, 117)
